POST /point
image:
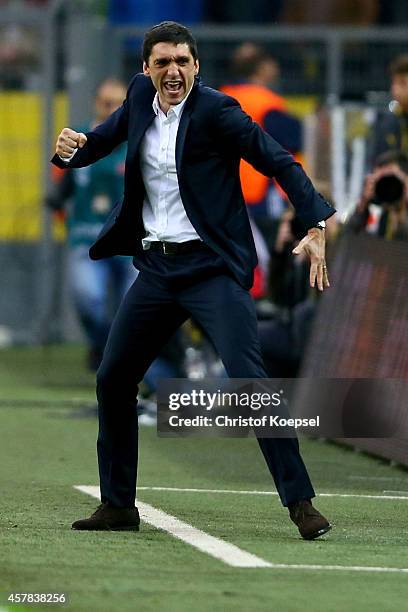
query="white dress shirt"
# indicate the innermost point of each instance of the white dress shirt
(164, 216)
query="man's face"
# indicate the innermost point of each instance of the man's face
(172, 69)
(399, 89)
(108, 98)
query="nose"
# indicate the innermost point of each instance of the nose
(173, 70)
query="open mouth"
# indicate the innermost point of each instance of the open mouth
(173, 86)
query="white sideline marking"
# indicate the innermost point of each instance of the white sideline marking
(394, 478)
(342, 568)
(228, 553)
(273, 493)
(404, 493)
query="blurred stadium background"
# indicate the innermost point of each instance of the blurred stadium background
(334, 58)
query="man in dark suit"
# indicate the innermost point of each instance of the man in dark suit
(184, 220)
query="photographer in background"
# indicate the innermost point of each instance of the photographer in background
(391, 127)
(383, 206)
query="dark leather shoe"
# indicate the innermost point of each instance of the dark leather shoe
(109, 518)
(310, 522)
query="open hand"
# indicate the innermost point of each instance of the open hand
(314, 244)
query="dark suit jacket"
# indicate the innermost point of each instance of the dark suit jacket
(214, 133)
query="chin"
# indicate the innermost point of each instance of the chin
(176, 101)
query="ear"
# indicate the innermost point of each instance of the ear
(146, 69)
(196, 67)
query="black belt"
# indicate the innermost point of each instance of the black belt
(176, 248)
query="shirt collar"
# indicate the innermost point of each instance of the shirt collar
(177, 108)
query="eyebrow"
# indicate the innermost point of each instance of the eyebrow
(166, 60)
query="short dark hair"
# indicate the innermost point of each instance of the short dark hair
(168, 31)
(399, 65)
(393, 157)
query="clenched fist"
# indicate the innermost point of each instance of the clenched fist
(68, 141)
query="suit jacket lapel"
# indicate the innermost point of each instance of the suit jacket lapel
(184, 123)
(145, 120)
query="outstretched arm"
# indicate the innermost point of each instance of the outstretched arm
(247, 139)
(252, 143)
(84, 149)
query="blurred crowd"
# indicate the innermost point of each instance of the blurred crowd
(315, 12)
(20, 47)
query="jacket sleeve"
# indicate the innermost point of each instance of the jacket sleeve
(102, 140)
(252, 143)
(285, 129)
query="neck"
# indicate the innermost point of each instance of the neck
(164, 106)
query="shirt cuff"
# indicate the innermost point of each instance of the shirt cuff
(68, 159)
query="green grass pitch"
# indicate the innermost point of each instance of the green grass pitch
(44, 452)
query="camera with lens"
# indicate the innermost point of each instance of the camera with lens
(388, 190)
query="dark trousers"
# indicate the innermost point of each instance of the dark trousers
(168, 290)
